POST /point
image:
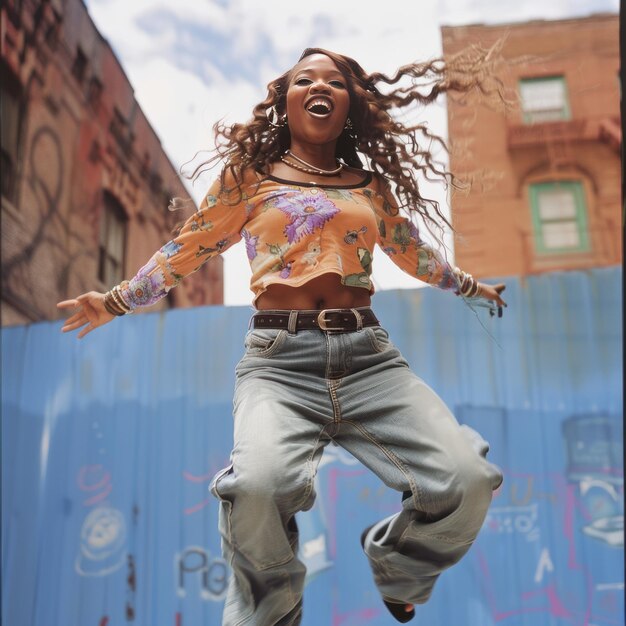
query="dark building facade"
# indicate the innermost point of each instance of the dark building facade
(85, 181)
(546, 190)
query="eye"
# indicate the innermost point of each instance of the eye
(337, 83)
(303, 81)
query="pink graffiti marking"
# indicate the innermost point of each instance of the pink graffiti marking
(197, 507)
(93, 472)
(197, 479)
(88, 470)
(571, 503)
(99, 496)
(556, 607)
(564, 496)
(360, 616)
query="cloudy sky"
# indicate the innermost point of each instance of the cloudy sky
(192, 62)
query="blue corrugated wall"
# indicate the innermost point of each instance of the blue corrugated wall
(108, 446)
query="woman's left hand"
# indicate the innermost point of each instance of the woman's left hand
(492, 292)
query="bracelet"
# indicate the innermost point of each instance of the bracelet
(117, 296)
(110, 304)
(468, 285)
(472, 288)
(475, 290)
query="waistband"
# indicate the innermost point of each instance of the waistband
(330, 320)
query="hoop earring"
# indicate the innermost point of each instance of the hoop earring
(274, 120)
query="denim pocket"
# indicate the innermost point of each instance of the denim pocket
(379, 338)
(217, 478)
(264, 341)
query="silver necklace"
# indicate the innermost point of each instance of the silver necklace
(310, 169)
(296, 166)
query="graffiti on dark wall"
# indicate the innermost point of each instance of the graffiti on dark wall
(46, 230)
(45, 180)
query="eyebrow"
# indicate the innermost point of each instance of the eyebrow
(329, 72)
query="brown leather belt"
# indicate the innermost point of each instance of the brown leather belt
(333, 320)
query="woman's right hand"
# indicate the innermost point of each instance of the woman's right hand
(91, 313)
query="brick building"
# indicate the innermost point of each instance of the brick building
(85, 181)
(546, 191)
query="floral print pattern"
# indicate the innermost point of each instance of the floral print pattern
(145, 288)
(314, 249)
(170, 249)
(293, 233)
(251, 244)
(307, 211)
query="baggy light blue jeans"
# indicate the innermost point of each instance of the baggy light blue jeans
(295, 393)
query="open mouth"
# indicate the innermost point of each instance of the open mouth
(319, 107)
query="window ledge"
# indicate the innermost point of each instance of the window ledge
(565, 261)
(526, 135)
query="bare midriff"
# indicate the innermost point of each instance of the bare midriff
(323, 292)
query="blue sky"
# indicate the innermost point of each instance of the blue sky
(192, 62)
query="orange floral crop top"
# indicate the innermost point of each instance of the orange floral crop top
(293, 232)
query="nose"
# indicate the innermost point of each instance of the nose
(319, 86)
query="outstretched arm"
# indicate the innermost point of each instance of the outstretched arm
(208, 232)
(400, 240)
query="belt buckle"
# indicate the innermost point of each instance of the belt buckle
(323, 323)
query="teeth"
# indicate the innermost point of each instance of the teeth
(317, 104)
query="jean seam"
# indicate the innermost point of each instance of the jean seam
(415, 491)
(327, 344)
(333, 385)
(311, 472)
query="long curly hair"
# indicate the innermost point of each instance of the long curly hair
(398, 152)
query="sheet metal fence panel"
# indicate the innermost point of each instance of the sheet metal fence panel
(109, 445)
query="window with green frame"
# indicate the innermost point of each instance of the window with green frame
(544, 99)
(559, 217)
